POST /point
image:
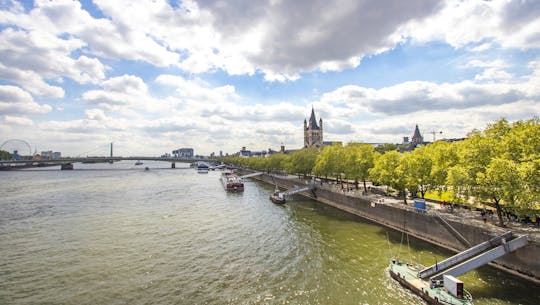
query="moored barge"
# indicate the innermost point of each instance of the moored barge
(231, 182)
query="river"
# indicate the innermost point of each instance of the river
(116, 234)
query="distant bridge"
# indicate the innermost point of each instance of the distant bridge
(66, 163)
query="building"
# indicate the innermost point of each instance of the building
(417, 137)
(415, 141)
(183, 153)
(48, 155)
(313, 133)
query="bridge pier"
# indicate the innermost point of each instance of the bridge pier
(173, 165)
(66, 166)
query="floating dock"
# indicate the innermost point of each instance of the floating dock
(437, 284)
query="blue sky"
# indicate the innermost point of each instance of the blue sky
(153, 76)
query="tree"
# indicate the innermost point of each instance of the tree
(302, 161)
(358, 161)
(4, 155)
(277, 161)
(444, 156)
(330, 161)
(501, 180)
(416, 166)
(386, 171)
(385, 147)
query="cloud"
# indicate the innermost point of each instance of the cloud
(339, 127)
(281, 39)
(415, 96)
(120, 93)
(297, 36)
(197, 90)
(31, 82)
(29, 58)
(17, 120)
(14, 100)
(511, 24)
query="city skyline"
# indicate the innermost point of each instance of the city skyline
(153, 76)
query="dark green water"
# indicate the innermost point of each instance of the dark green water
(175, 237)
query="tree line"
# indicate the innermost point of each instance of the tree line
(498, 166)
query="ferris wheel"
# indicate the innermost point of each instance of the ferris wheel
(17, 148)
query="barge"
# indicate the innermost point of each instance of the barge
(438, 285)
(231, 182)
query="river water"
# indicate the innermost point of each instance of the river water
(116, 234)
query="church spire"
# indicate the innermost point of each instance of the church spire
(313, 120)
(417, 137)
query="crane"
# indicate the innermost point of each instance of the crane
(434, 133)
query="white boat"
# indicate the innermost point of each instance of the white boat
(202, 168)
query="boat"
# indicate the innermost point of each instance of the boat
(438, 285)
(202, 168)
(447, 292)
(277, 197)
(231, 182)
(138, 163)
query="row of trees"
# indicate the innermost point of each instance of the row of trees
(499, 165)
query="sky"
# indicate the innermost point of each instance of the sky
(154, 76)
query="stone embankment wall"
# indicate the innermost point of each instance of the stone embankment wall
(523, 262)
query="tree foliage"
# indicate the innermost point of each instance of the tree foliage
(497, 166)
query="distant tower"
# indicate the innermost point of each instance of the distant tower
(313, 133)
(417, 137)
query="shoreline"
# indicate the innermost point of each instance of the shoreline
(425, 226)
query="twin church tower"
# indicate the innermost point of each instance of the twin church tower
(313, 133)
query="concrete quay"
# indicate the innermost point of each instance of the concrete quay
(454, 231)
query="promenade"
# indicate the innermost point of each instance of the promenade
(458, 214)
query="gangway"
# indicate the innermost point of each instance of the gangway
(251, 175)
(297, 190)
(474, 257)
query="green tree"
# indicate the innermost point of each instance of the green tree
(277, 161)
(386, 171)
(330, 162)
(358, 161)
(4, 155)
(302, 161)
(500, 180)
(444, 156)
(416, 166)
(385, 147)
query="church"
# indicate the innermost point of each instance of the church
(313, 133)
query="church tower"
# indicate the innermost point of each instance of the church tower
(417, 137)
(313, 133)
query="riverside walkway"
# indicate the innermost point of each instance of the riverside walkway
(458, 214)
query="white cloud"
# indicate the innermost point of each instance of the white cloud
(14, 100)
(124, 93)
(281, 39)
(17, 120)
(30, 81)
(511, 24)
(493, 74)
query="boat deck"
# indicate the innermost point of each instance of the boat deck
(407, 275)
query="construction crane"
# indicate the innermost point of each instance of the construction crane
(434, 133)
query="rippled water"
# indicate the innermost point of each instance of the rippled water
(129, 236)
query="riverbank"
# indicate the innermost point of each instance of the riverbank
(437, 226)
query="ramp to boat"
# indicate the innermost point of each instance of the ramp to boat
(297, 190)
(251, 175)
(474, 257)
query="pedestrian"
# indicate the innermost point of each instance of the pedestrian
(483, 213)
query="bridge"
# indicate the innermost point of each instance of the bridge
(67, 163)
(18, 162)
